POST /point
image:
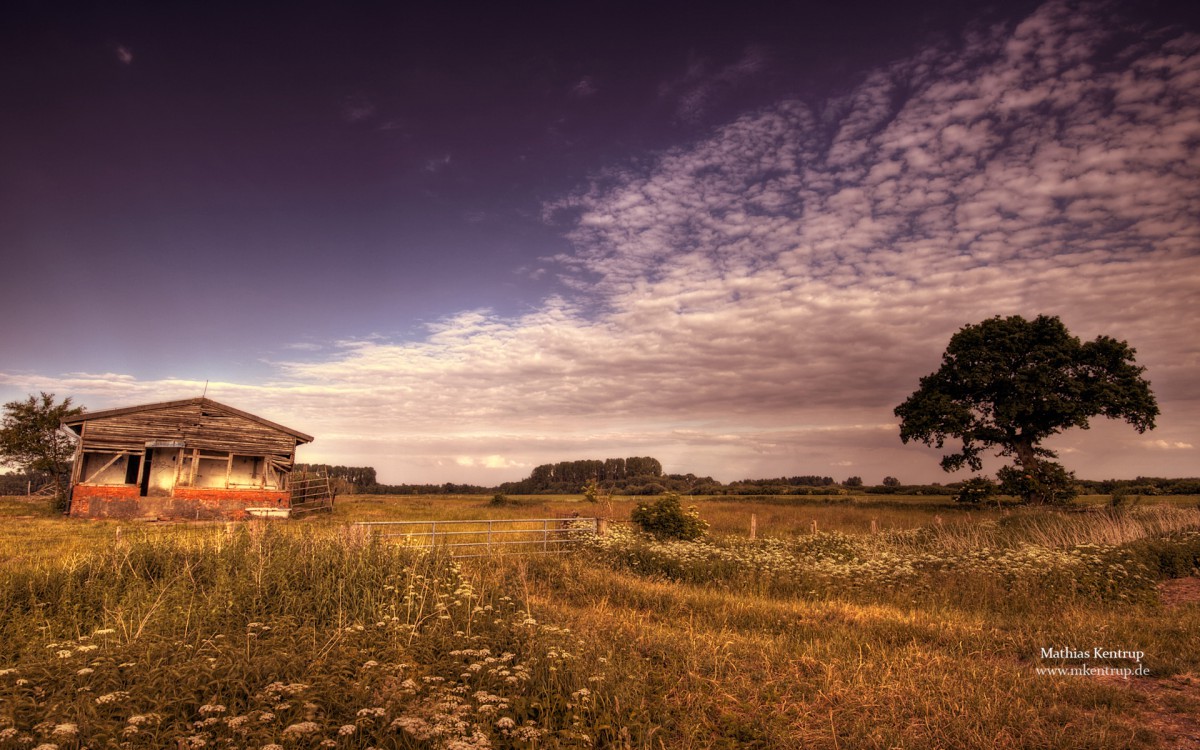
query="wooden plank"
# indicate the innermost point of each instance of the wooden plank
(178, 468)
(141, 477)
(195, 467)
(77, 462)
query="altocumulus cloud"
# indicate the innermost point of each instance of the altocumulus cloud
(758, 300)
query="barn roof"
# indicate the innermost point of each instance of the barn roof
(75, 424)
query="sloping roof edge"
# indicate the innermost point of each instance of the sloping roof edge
(75, 422)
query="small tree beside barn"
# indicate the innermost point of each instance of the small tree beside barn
(180, 459)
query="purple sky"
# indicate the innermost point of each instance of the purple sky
(456, 243)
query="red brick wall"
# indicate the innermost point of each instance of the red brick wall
(85, 499)
(212, 496)
(185, 502)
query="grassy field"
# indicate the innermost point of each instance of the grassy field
(931, 632)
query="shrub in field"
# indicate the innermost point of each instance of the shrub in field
(591, 491)
(1172, 556)
(1047, 480)
(666, 519)
(976, 490)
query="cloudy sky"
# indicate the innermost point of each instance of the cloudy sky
(454, 244)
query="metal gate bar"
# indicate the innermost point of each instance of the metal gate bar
(491, 535)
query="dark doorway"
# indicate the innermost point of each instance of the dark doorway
(146, 471)
(133, 463)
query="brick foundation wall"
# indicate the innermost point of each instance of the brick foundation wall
(206, 503)
(90, 501)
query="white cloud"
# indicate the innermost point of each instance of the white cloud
(1169, 445)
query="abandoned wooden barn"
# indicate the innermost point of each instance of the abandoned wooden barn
(181, 459)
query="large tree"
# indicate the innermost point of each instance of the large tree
(1009, 383)
(31, 437)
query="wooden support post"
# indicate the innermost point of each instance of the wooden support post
(77, 462)
(753, 526)
(146, 455)
(601, 526)
(178, 468)
(814, 526)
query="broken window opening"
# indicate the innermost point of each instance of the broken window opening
(133, 465)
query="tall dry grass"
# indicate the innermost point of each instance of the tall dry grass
(299, 636)
(311, 635)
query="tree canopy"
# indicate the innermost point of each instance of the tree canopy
(31, 438)
(1009, 383)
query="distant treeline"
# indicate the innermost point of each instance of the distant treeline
(572, 476)
(643, 475)
(348, 480)
(18, 483)
(1142, 486)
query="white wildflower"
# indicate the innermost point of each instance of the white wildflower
(301, 729)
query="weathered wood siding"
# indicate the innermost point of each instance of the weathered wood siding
(198, 426)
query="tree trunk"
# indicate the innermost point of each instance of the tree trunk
(1029, 462)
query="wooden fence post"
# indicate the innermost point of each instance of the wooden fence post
(814, 526)
(753, 526)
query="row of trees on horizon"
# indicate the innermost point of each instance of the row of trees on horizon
(643, 475)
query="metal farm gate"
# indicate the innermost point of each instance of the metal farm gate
(310, 493)
(491, 537)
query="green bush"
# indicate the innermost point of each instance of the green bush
(666, 519)
(1047, 483)
(976, 490)
(1171, 556)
